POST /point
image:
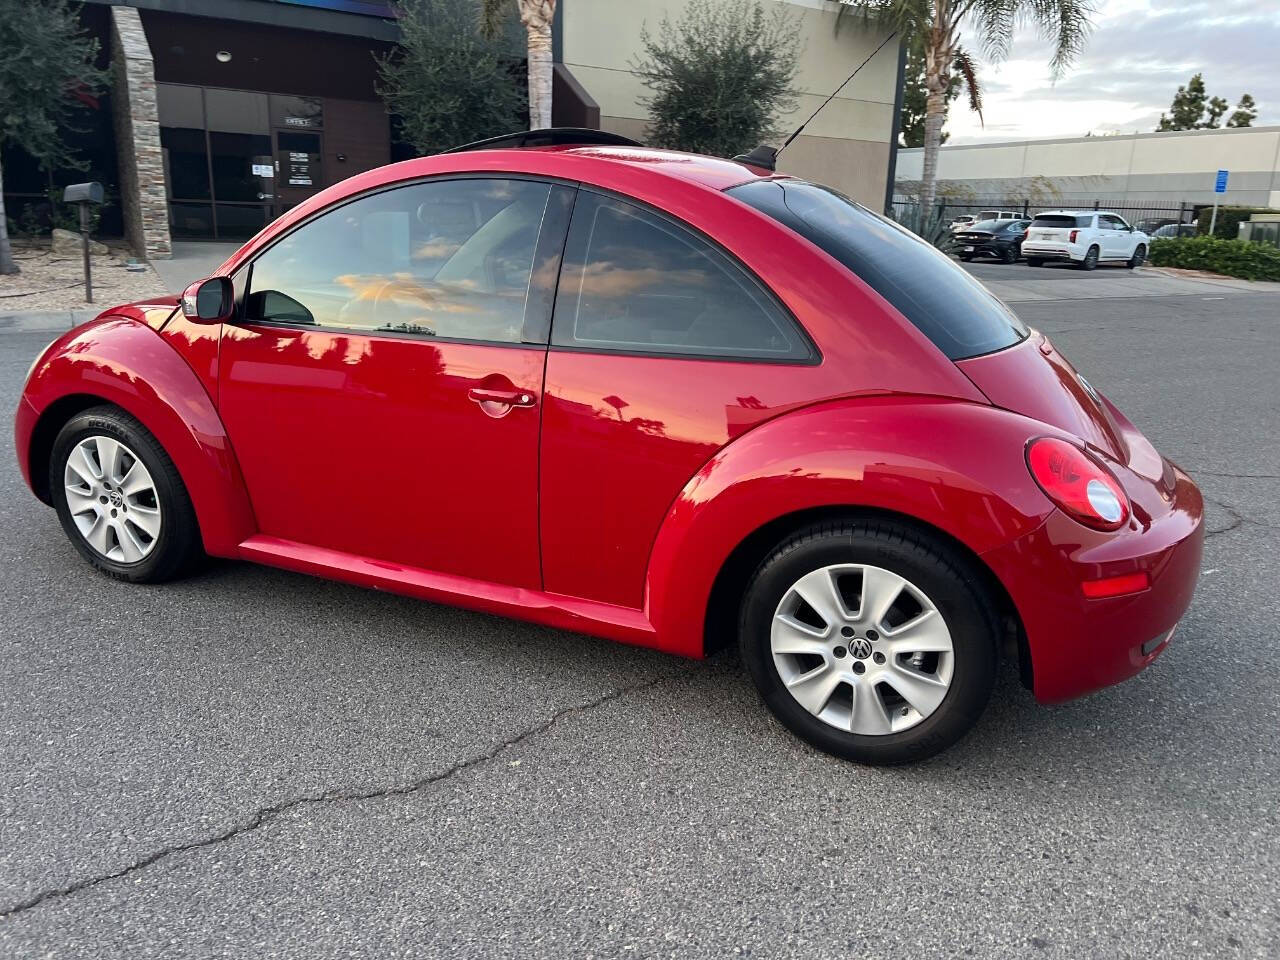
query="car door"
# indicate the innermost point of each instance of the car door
(1126, 238)
(663, 349)
(1112, 239)
(382, 386)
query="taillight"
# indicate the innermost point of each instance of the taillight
(1081, 487)
(1026, 233)
(1074, 234)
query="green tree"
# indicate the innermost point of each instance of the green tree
(44, 60)
(537, 17)
(1193, 109)
(449, 83)
(1187, 107)
(721, 74)
(991, 24)
(1246, 113)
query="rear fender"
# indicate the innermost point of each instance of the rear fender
(956, 466)
(124, 362)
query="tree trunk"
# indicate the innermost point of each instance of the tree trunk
(536, 15)
(937, 57)
(8, 265)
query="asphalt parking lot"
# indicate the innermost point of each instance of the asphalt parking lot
(254, 763)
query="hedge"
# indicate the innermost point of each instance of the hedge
(1229, 220)
(1234, 258)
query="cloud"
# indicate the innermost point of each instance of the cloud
(1138, 55)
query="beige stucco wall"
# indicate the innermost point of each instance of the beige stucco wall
(846, 146)
(1178, 165)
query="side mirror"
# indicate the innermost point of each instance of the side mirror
(209, 301)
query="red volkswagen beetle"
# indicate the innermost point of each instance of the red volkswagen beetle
(666, 399)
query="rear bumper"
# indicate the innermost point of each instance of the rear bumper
(1078, 645)
(1052, 251)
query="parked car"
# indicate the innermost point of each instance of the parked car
(961, 222)
(1001, 239)
(1086, 238)
(1176, 230)
(998, 215)
(666, 399)
(1150, 225)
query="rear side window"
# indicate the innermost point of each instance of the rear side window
(1062, 221)
(942, 300)
(634, 281)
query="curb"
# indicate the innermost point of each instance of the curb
(44, 320)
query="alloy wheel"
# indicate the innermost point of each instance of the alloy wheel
(112, 499)
(862, 648)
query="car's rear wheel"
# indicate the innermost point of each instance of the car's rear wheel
(870, 640)
(1090, 261)
(1034, 262)
(120, 498)
(1139, 256)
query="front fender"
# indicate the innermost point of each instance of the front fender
(123, 361)
(954, 465)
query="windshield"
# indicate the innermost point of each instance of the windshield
(944, 302)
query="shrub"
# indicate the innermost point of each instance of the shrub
(720, 75)
(930, 226)
(1234, 258)
(449, 84)
(1229, 219)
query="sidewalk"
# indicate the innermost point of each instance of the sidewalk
(47, 319)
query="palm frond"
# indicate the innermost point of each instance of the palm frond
(969, 71)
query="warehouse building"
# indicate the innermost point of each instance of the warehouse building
(1146, 168)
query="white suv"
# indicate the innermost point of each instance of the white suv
(1084, 237)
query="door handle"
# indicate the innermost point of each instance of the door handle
(509, 398)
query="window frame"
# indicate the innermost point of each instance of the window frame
(813, 355)
(537, 322)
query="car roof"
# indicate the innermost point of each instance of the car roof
(711, 172)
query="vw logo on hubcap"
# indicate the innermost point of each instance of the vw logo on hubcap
(860, 648)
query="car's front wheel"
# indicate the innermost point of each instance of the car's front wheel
(870, 640)
(120, 499)
(1009, 254)
(1138, 258)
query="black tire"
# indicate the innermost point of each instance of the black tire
(1090, 261)
(1034, 262)
(966, 257)
(177, 548)
(937, 569)
(1138, 258)
(1009, 254)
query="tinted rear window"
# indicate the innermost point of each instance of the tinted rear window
(1061, 220)
(948, 306)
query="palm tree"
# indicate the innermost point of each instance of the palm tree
(991, 23)
(536, 15)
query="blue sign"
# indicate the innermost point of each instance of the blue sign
(1221, 185)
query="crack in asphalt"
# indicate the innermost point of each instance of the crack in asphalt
(1237, 518)
(266, 815)
(1236, 476)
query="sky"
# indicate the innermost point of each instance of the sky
(1139, 53)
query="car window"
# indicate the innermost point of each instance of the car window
(446, 258)
(949, 306)
(1061, 220)
(634, 281)
(987, 225)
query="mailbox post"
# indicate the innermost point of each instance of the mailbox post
(84, 194)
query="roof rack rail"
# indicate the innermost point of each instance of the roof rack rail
(549, 137)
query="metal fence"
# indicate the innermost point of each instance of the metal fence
(1147, 215)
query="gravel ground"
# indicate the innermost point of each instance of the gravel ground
(57, 283)
(253, 763)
